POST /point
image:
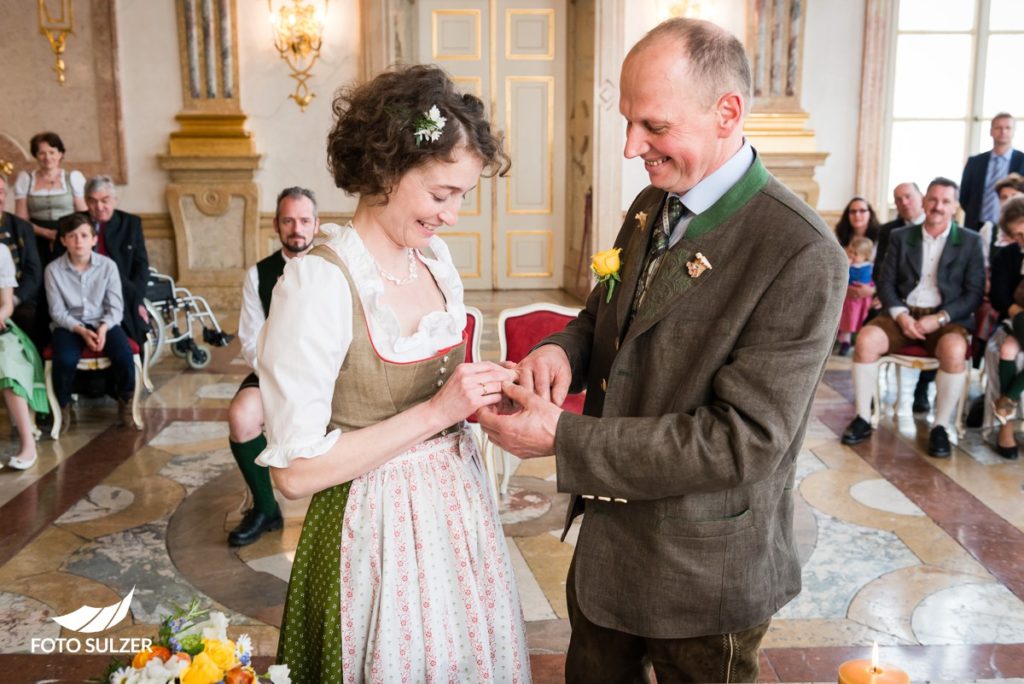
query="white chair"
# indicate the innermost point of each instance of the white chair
(92, 361)
(520, 330)
(915, 357)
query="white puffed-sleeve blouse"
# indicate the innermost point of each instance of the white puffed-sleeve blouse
(309, 330)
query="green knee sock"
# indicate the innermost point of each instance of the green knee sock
(1016, 387)
(256, 476)
(1007, 372)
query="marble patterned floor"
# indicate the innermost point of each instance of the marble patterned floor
(924, 557)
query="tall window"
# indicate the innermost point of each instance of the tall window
(958, 63)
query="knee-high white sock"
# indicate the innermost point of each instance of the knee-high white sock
(865, 379)
(948, 388)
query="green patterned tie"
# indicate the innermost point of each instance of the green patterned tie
(672, 211)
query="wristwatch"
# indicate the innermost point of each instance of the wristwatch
(943, 318)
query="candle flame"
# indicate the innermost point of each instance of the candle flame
(874, 656)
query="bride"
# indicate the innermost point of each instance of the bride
(402, 572)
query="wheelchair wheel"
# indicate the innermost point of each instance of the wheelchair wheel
(181, 347)
(157, 334)
(200, 357)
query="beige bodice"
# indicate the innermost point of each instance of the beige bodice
(370, 389)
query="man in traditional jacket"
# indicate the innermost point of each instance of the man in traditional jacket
(700, 371)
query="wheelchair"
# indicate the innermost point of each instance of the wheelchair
(174, 312)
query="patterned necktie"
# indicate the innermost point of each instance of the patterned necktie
(670, 215)
(990, 201)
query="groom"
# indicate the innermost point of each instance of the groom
(699, 373)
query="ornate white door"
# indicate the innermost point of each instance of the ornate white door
(511, 53)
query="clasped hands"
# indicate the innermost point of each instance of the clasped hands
(95, 340)
(918, 328)
(517, 405)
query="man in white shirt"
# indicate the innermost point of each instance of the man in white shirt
(295, 222)
(930, 285)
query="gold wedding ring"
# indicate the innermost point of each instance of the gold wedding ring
(483, 389)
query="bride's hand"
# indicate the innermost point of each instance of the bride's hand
(471, 386)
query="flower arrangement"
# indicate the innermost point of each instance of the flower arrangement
(429, 126)
(605, 266)
(192, 647)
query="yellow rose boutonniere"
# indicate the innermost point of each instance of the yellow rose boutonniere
(605, 266)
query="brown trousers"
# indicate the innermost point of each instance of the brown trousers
(600, 654)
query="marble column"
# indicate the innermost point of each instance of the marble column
(777, 125)
(211, 158)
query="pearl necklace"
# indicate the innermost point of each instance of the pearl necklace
(413, 271)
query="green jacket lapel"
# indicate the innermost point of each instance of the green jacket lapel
(673, 279)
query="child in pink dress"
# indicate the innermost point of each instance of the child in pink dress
(855, 309)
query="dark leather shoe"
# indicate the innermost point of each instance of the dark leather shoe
(1009, 453)
(921, 403)
(857, 431)
(253, 525)
(938, 443)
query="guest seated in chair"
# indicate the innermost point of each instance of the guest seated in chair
(932, 281)
(21, 372)
(17, 234)
(296, 223)
(1007, 296)
(86, 306)
(119, 236)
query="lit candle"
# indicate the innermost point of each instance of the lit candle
(865, 671)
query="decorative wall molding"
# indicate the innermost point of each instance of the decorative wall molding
(871, 134)
(85, 112)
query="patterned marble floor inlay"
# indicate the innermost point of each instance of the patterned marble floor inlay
(917, 554)
(847, 557)
(970, 614)
(881, 494)
(101, 501)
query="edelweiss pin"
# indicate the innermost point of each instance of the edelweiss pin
(697, 265)
(641, 220)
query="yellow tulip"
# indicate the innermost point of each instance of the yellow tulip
(202, 671)
(606, 263)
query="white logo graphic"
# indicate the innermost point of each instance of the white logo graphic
(91, 620)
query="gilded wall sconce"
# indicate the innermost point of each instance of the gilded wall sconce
(298, 30)
(57, 28)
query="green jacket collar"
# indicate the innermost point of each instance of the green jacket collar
(749, 185)
(916, 236)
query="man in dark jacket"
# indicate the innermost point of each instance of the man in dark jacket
(17, 234)
(982, 172)
(120, 238)
(931, 283)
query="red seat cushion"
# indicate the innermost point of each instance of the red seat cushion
(88, 353)
(918, 351)
(522, 333)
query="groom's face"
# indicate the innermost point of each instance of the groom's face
(667, 125)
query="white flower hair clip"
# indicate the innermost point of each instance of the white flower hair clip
(429, 126)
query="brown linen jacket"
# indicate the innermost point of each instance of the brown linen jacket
(695, 414)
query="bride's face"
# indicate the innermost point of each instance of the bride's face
(428, 198)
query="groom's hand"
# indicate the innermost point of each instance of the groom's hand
(527, 433)
(546, 372)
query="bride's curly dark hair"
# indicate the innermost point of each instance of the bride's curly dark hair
(372, 144)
